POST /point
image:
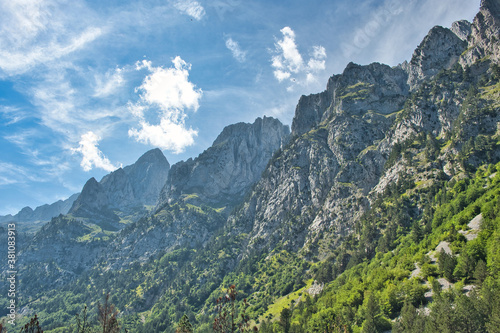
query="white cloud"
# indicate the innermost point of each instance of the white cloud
(34, 32)
(310, 78)
(319, 52)
(281, 75)
(12, 114)
(170, 88)
(91, 155)
(289, 52)
(19, 61)
(317, 61)
(169, 135)
(288, 63)
(191, 8)
(108, 83)
(235, 49)
(70, 109)
(170, 91)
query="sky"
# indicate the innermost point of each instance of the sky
(89, 86)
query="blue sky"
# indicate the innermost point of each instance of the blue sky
(89, 86)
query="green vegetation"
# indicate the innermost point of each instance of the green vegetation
(358, 91)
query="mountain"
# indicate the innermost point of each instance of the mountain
(42, 213)
(200, 193)
(124, 190)
(380, 171)
(223, 173)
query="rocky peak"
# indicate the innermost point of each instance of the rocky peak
(151, 156)
(25, 213)
(91, 198)
(485, 32)
(359, 88)
(490, 7)
(309, 111)
(440, 49)
(135, 185)
(462, 29)
(42, 213)
(223, 173)
(148, 175)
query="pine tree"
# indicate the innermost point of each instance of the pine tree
(407, 319)
(447, 264)
(372, 312)
(491, 296)
(107, 316)
(184, 325)
(417, 232)
(285, 319)
(480, 273)
(32, 327)
(82, 324)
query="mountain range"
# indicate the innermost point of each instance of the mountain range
(363, 174)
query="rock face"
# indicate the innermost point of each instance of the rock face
(462, 29)
(222, 174)
(358, 89)
(440, 49)
(131, 187)
(485, 32)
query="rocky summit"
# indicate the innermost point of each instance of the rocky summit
(222, 174)
(124, 190)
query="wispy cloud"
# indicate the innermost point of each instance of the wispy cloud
(235, 49)
(13, 174)
(91, 155)
(169, 92)
(288, 62)
(108, 83)
(12, 114)
(36, 32)
(191, 8)
(70, 109)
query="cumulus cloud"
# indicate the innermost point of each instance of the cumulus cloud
(169, 92)
(169, 135)
(290, 55)
(288, 63)
(169, 88)
(91, 155)
(191, 8)
(235, 49)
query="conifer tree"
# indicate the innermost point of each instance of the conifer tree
(32, 327)
(372, 311)
(285, 319)
(107, 316)
(184, 325)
